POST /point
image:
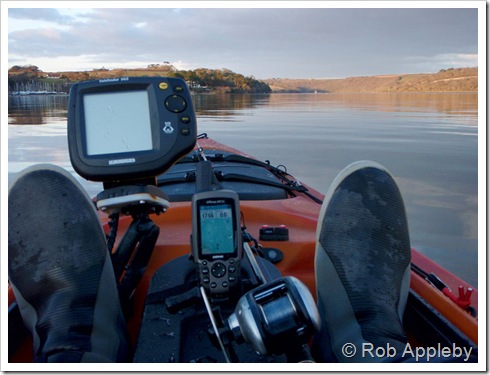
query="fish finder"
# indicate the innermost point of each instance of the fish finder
(125, 129)
(216, 239)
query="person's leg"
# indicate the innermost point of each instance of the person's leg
(362, 266)
(60, 270)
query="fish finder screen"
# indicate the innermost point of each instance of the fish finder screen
(117, 122)
(217, 235)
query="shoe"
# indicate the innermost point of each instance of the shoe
(362, 265)
(60, 270)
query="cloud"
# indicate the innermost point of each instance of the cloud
(50, 15)
(442, 61)
(261, 42)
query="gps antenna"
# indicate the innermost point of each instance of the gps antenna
(206, 180)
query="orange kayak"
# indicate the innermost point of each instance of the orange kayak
(441, 306)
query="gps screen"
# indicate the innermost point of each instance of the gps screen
(117, 122)
(217, 235)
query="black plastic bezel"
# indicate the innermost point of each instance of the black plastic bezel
(167, 147)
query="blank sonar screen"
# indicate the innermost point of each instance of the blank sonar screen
(117, 122)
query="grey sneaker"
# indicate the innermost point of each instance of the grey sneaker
(362, 265)
(60, 270)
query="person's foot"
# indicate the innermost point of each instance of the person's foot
(60, 270)
(362, 265)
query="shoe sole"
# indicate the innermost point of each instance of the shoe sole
(362, 261)
(49, 215)
(57, 250)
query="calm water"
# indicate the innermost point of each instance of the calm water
(428, 141)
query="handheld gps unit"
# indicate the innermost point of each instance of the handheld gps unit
(123, 129)
(216, 239)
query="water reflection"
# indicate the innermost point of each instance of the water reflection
(33, 109)
(230, 108)
(36, 109)
(451, 103)
(224, 107)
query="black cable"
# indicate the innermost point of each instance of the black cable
(113, 224)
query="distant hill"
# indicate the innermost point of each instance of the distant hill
(450, 80)
(225, 81)
(200, 80)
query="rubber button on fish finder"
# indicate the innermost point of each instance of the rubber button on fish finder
(163, 85)
(178, 89)
(185, 119)
(218, 270)
(175, 103)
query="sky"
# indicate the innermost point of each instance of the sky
(266, 42)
